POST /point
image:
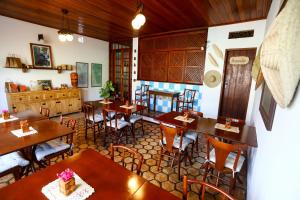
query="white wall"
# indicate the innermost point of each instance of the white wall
(273, 167)
(219, 35)
(15, 38)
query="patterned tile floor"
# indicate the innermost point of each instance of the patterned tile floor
(148, 145)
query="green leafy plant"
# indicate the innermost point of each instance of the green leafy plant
(107, 90)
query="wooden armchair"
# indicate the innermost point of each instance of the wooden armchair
(142, 95)
(44, 152)
(45, 112)
(186, 100)
(173, 145)
(224, 158)
(116, 127)
(204, 185)
(126, 153)
(92, 120)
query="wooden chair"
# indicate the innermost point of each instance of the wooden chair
(46, 151)
(142, 95)
(136, 119)
(126, 153)
(116, 127)
(191, 134)
(186, 100)
(224, 158)
(45, 112)
(204, 185)
(13, 163)
(173, 145)
(92, 120)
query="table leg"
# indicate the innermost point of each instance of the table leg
(149, 102)
(154, 103)
(172, 101)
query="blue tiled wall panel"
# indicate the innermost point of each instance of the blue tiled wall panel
(163, 104)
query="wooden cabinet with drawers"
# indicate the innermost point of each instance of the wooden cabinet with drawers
(58, 101)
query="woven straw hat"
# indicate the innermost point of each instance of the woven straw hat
(212, 78)
(256, 70)
(280, 54)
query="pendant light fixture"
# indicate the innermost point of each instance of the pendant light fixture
(139, 19)
(65, 34)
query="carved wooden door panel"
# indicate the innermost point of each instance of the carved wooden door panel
(236, 83)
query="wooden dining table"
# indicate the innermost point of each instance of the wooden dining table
(28, 115)
(247, 134)
(109, 180)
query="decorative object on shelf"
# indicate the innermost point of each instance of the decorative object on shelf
(65, 86)
(96, 75)
(23, 88)
(66, 182)
(45, 84)
(41, 56)
(24, 126)
(82, 70)
(212, 60)
(279, 58)
(212, 78)
(217, 51)
(5, 114)
(107, 90)
(59, 69)
(65, 33)
(228, 123)
(41, 38)
(139, 19)
(74, 79)
(256, 70)
(239, 60)
(13, 62)
(13, 87)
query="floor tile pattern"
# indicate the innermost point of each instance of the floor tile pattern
(148, 145)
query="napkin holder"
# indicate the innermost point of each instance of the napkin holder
(5, 115)
(127, 103)
(24, 126)
(186, 115)
(67, 187)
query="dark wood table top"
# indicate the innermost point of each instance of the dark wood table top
(246, 136)
(109, 179)
(47, 130)
(164, 92)
(115, 106)
(28, 115)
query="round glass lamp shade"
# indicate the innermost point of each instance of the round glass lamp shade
(141, 19)
(62, 37)
(135, 24)
(69, 37)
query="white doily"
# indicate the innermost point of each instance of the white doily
(20, 133)
(12, 118)
(83, 190)
(231, 129)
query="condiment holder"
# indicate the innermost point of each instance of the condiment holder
(66, 182)
(24, 126)
(5, 114)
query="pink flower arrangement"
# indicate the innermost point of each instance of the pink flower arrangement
(66, 175)
(4, 111)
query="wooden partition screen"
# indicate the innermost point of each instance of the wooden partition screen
(176, 57)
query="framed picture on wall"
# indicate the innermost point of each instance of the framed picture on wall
(41, 56)
(267, 107)
(45, 84)
(82, 70)
(96, 75)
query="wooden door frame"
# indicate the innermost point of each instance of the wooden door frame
(223, 77)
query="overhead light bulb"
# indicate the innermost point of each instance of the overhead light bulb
(69, 37)
(62, 37)
(135, 24)
(141, 19)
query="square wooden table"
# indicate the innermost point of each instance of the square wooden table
(247, 134)
(170, 94)
(109, 179)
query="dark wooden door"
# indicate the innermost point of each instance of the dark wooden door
(236, 83)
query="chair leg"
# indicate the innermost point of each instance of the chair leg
(142, 123)
(94, 129)
(179, 164)
(232, 183)
(197, 144)
(86, 128)
(160, 157)
(133, 132)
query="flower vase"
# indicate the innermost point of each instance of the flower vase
(67, 187)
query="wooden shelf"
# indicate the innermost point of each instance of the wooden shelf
(42, 68)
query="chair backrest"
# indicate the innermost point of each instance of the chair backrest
(169, 133)
(189, 95)
(204, 185)
(45, 111)
(234, 121)
(126, 153)
(71, 123)
(144, 89)
(89, 111)
(222, 150)
(107, 118)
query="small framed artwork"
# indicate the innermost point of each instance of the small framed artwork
(45, 84)
(82, 70)
(41, 56)
(267, 107)
(96, 75)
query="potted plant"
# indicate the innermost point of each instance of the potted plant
(107, 90)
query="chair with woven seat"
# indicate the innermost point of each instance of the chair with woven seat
(191, 134)
(46, 151)
(142, 95)
(92, 120)
(204, 185)
(136, 159)
(224, 158)
(116, 127)
(13, 163)
(135, 119)
(173, 145)
(45, 112)
(186, 100)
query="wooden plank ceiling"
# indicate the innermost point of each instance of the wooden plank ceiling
(111, 19)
